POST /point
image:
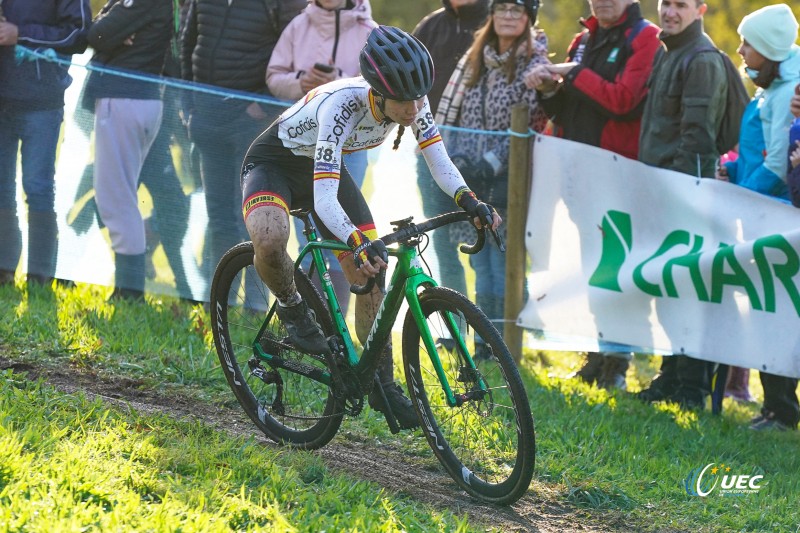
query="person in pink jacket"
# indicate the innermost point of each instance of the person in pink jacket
(320, 45)
(327, 32)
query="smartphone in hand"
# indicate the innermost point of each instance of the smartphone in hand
(323, 67)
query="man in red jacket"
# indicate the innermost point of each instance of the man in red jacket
(596, 98)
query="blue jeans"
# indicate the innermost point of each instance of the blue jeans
(38, 132)
(222, 134)
(435, 202)
(490, 280)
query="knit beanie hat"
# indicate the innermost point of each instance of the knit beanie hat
(771, 30)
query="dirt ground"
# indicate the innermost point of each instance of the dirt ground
(385, 467)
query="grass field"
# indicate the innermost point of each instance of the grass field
(68, 463)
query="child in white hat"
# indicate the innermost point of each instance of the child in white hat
(773, 63)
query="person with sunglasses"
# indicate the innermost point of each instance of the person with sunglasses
(486, 83)
(297, 163)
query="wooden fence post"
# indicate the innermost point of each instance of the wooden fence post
(519, 170)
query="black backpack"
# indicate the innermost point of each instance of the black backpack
(735, 101)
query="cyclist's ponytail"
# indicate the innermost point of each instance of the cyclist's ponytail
(400, 130)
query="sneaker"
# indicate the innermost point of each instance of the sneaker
(758, 418)
(402, 409)
(612, 374)
(771, 424)
(304, 331)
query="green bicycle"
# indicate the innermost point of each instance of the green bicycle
(472, 405)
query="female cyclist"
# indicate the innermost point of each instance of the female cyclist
(297, 163)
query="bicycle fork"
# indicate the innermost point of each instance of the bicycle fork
(468, 371)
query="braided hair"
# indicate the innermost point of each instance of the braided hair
(400, 130)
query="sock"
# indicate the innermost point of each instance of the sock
(293, 300)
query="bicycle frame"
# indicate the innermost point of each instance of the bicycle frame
(407, 279)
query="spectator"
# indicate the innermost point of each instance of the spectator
(328, 32)
(169, 220)
(228, 45)
(793, 178)
(31, 112)
(682, 115)
(487, 81)
(127, 36)
(596, 98)
(447, 32)
(772, 61)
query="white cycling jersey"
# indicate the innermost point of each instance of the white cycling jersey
(341, 117)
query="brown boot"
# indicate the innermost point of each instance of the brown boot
(738, 385)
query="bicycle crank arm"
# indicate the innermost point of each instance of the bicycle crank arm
(388, 414)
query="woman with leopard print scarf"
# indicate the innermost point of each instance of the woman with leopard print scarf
(487, 82)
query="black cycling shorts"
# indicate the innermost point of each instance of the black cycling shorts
(277, 177)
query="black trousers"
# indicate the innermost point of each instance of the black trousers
(687, 373)
(780, 397)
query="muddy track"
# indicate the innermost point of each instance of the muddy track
(383, 466)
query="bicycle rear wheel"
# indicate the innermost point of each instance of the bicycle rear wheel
(288, 407)
(487, 443)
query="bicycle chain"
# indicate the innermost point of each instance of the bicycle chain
(344, 387)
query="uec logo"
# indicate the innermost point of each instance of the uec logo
(703, 481)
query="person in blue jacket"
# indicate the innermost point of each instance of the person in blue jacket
(772, 61)
(31, 112)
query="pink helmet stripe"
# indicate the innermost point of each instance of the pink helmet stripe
(378, 72)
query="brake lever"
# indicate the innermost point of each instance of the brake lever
(498, 239)
(380, 280)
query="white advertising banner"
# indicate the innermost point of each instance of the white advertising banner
(660, 261)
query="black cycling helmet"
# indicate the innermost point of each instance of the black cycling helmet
(396, 65)
(531, 6)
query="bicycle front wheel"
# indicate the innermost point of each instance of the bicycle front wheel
(288, 407)
(486, 441)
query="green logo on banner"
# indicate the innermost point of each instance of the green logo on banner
(774, 256)
(617, 241)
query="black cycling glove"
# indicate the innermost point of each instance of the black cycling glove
(467, 201)
(364, 249)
